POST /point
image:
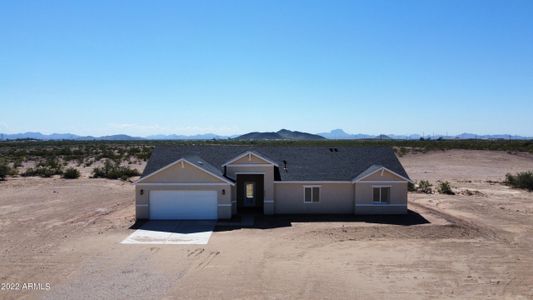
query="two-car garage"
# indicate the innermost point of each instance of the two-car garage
(184, 190)
(183, 205)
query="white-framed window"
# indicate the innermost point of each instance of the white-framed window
(381, 194)
(311, 194)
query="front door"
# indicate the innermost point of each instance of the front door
(250, 191)
(249, 194)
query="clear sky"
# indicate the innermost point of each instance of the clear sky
(226, 67)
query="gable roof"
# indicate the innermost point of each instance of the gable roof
(249, 152)
(194, 161)
(376, 168)
(304, 163)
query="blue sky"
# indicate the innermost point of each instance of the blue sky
(146, 67)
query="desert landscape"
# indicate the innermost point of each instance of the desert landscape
(214, 150)
(476, 244)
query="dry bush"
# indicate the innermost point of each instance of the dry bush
(445, 188)
(522, 180)
(113, 170)
(424, 187)
(4, 170)
(71, 173)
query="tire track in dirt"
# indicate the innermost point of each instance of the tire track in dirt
(201, 258)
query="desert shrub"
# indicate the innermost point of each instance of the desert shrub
(88, 162)
(411, 187)
(522, 180)
(28, 172)
(4, 170)
(17, 163)
(113, 170)
(79, 161)
(42, 172)
(403, 151)
(13, 171)
(48, 168)
(445, 188)
(51, 166)
(424, 187)
(71, 173)
(51, 162)
(510, 179)
(142, 153)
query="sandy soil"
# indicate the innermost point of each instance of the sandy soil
(68, 233)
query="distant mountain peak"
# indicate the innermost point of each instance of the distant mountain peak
(383, 137)
(283, 134)
(339, 134)
(338, 131)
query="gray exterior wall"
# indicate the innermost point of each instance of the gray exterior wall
(335, 198)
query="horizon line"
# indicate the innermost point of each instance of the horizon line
(44, 133)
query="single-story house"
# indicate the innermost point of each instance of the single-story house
(219, 181)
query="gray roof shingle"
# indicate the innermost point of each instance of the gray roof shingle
(304, 163)
(198, 161)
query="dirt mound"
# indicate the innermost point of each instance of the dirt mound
(358, 233)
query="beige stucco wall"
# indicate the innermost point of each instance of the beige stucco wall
(280, 198)
(233, 199)
(364, 198)
(335, 198)
(268, 174)
(185, 173)
(142, 201)
(386, 176)
(252, 159)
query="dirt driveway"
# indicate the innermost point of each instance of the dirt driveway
(68, 234)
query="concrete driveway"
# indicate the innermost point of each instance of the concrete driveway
(172, 232)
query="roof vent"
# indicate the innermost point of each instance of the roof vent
(285, 165)
(336, 150)
(200, 162)
(330, 149)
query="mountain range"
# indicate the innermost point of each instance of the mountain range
(65, 136)
(207, 136)
(283, 134)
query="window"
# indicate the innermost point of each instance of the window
(311, 194)
(381, 194)
(250, 190)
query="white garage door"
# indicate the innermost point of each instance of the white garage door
(183, 205)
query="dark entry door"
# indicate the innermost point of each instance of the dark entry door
(250, 191)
